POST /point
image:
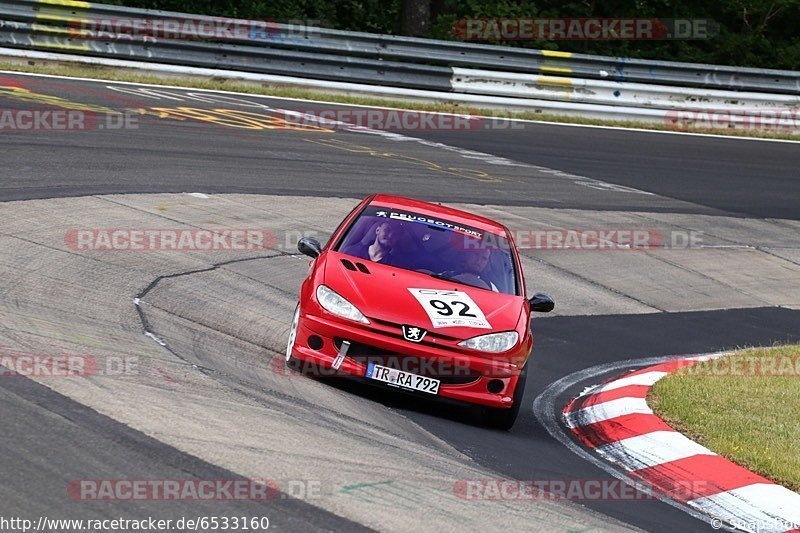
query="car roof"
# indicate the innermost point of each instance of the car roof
(431, 209)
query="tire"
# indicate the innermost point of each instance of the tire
(504, 418)
(291, 361)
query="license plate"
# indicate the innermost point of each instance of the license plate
(404, 380)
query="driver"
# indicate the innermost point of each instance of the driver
(381, 249)
(474, 268)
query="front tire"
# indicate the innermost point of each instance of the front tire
(505, 418)
(291, 361)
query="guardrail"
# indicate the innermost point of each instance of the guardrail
(614, 93)
(468, 72)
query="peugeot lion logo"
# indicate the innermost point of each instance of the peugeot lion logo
(413, 333)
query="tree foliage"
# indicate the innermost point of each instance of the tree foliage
(757, 33)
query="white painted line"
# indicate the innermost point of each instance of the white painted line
(645, 378)
(709, 357)
(652, 449)
(759, 507)
(606, 411)
(159, 341)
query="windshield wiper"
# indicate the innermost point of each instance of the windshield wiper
(447, 278)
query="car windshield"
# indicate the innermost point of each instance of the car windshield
(432, 246)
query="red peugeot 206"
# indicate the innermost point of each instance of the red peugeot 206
(422, 298)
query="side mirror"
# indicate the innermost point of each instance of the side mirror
(310, 247)
(542, 303)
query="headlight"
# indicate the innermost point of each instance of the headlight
(333, 303)
(492, 343)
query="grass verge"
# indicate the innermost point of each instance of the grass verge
(746, 408)
(81, 70)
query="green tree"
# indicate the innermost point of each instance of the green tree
(763, 33)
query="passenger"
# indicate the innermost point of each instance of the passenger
(381, 249)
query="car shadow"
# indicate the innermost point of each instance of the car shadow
(408, 401)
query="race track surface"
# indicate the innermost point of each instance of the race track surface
(210, 399)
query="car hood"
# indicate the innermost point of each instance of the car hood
(382, 293)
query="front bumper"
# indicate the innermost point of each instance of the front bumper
(464, 377)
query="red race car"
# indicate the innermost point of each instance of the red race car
(422, 298)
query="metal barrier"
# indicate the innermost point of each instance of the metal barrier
(493, 74)
(614, 93)
(26, 24)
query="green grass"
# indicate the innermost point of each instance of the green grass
(750, 417)
(129, 75)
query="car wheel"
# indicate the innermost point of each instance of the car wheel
(504, 418)
(291, 361)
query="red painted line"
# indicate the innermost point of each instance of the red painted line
(631, 391)
(698, 476)
(11, 82)
(62, 88)
(621, 427)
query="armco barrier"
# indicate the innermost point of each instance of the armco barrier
(483, 75)
(613, 92)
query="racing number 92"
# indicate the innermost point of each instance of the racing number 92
(445, 309)
(448, 308)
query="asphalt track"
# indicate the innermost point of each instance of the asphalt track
(686, 174)
(48, 437)
(701, 174)
(744, 177)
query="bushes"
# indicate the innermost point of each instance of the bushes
(758, 33)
